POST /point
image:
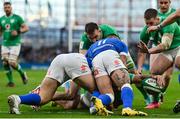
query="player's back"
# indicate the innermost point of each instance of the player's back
(106, 44)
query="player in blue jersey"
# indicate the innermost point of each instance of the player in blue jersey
(108, 60)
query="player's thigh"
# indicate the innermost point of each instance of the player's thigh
(48, 89)
(152, 59)
(161, 64)
(4, 54)
(177, 60)
(120, 77)
(86, 81)
(104, 84)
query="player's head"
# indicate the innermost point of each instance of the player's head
(151, 17)
(93, 31)
(7, 8)
(164, 5)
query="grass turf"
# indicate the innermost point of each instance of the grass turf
(35, 76)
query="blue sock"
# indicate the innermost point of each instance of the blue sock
(127, 96)
(106, 99)
(96, 93)
(30, 99)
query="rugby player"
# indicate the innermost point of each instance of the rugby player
(11, 27)
(64, 67)
(108, 60)
(166, 49)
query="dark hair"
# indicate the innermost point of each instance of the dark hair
(150, 13)
(90, 27)
(7, 3)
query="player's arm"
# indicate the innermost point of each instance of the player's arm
(140, 62)
(24, 28)
(123, 52)
(164, 45)
(170, 19)
(0, 30)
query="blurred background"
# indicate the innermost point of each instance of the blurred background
(57, 25)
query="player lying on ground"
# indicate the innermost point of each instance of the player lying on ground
(64, 67)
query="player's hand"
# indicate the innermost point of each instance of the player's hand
(139, 71)
(14, 33)
(160, 80)
(152, 28)
(143, 47)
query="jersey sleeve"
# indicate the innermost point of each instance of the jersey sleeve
(170, 29)
(84, 43)
(20, 20)
(144, 36)
(89, 58)
(121, 48)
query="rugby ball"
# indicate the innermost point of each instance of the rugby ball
(150, 86)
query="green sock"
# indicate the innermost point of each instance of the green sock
(8, 73)
(143, 92)
(19, 69)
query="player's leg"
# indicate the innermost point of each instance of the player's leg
(5, 55)
(163, 68)
(177, 60)
(13, 61)
(48, 88)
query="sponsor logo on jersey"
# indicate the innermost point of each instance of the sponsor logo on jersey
(83, 68)
(7, 26)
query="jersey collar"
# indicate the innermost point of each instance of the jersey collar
(166, 13)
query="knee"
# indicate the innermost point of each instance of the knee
(177, 64)
(155, 71)
(13, 64)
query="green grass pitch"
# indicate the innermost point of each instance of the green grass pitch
(35, 76)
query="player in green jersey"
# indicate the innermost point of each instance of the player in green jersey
(165, 10)
(11, 27)
(166, 49)
(94, 32)
(170, 19)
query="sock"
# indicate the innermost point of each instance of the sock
(143, 92)
(106, 99)
(127, 95)
(96, 93)
(19, 69)
(8, 72)
(30, 99)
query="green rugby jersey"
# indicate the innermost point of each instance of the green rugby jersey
(8, 24)
(156, 36)
(106, 30)
(163, 16)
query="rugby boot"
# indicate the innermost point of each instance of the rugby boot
(14, 102)
(101, 110)
(130, 112)
(176, 108)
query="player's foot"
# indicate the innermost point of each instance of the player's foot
(14, 102)
(176, 108)
(149, 99)
(101, 110)
(24, 78)
(92, 110)
(153, 105)
(129, 112)
(10, 84)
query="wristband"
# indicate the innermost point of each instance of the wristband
(159, 26)
(19, 31)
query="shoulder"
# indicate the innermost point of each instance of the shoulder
(144, 31)
(84, 37)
